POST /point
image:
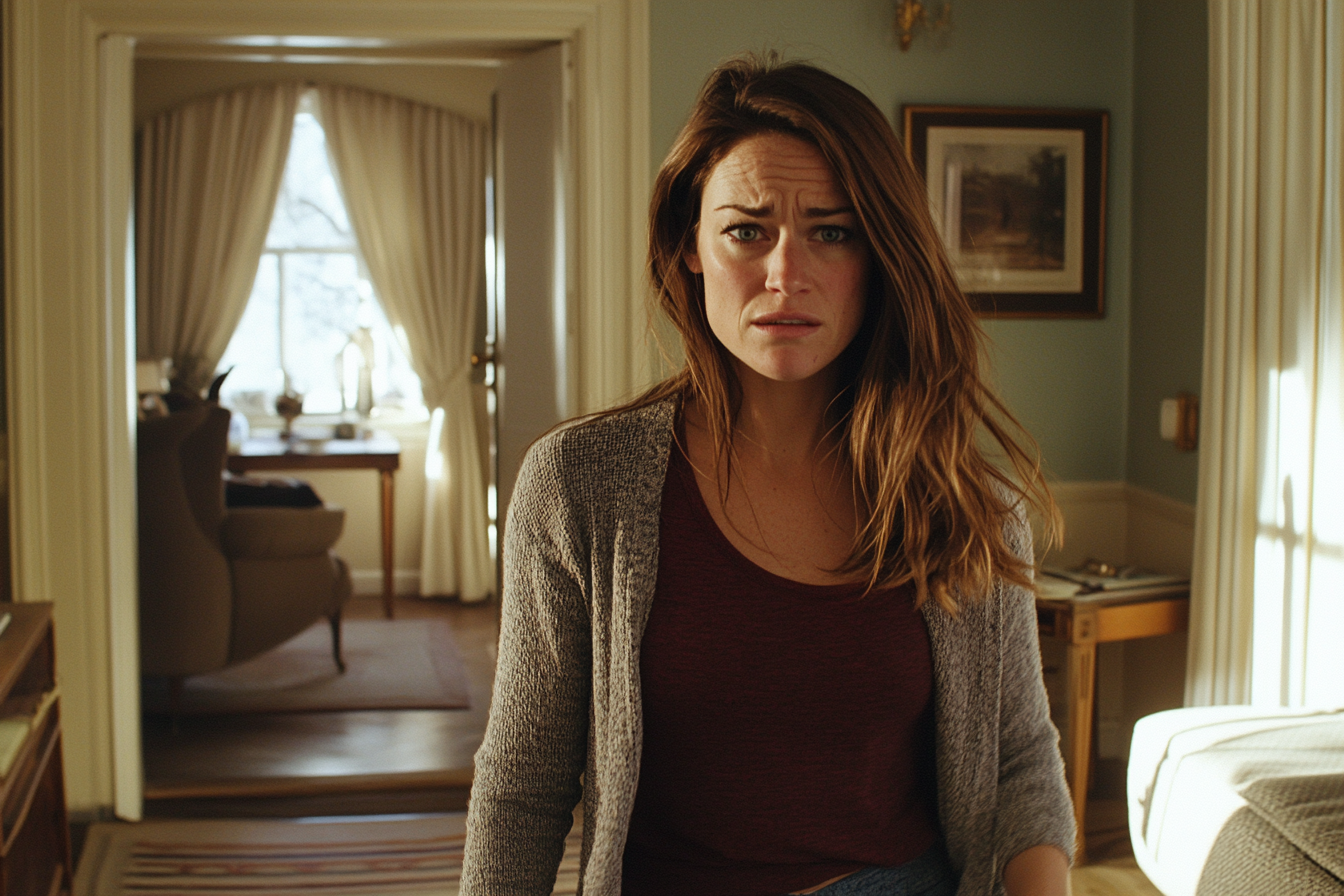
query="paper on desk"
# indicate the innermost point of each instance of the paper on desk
(1128, 579)
(1053, 587)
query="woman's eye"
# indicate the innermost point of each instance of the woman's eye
(745, 233)
(833, 234)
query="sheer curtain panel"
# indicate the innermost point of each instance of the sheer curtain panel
(1268, 589)
(413, 177)
(209, 176)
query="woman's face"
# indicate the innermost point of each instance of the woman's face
(785, 269)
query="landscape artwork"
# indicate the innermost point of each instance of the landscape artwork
(1019, 206)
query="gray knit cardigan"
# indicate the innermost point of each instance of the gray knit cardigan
(580, 564)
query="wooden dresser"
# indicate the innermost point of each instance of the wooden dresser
(34, 829)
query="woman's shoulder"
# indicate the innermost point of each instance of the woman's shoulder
(592, 436)
(606, 449)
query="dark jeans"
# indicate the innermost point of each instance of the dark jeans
(928, 875)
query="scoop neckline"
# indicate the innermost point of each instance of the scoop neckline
(705, 519)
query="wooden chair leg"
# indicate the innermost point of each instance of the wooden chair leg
(335, 620)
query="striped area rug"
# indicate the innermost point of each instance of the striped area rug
(365, 857)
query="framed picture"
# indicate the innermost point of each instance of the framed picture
(1020, 196)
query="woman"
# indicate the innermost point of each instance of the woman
(773, 620)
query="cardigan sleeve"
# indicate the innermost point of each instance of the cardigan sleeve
(1034, 807)
(528, 769)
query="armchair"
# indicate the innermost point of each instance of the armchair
(219, 585)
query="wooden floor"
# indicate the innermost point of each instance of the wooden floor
(420, 760)
(1110, 869)
(329, 763)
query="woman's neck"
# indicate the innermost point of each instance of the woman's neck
(784, 423)
(785, 497)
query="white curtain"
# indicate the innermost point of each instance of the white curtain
(209, 175)
(413, 177)
(1268, 589)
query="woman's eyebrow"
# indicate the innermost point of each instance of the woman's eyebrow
(762, 211)
(755, 212)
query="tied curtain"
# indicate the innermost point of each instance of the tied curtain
(413, 179)
(210, 173)
(1268, 584)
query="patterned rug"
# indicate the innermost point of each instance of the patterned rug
(370, 857)
(389, 664)
(420, 856)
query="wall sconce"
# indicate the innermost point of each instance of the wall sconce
(912, 15)
(1179, 421)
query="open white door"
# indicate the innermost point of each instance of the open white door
(534, 361)
(115, 68)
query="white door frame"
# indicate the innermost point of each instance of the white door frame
(70, 332)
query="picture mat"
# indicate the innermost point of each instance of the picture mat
(978, 272)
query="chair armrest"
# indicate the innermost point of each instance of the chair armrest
(259, 533)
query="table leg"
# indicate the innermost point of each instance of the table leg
(1081, 678)
(388, 541)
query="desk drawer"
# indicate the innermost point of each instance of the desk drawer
(21, 784)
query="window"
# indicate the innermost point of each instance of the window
(313, 321)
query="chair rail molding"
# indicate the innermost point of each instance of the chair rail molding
(67, 177)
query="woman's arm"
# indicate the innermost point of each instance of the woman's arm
(527, 774)
(1034, 809)
(1037, 871)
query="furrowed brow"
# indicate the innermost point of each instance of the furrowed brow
(764, 210)
(829, 212)
(755, 212)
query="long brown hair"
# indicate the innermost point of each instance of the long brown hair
(912, 401)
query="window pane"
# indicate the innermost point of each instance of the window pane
(325, 299)
(309, 213)
(321, 304)
(254, 350)
(395, 384)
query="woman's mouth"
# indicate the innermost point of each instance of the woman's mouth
(785, 324)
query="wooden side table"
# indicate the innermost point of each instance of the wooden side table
(381, 453)
(1083, 622)
(34, 830)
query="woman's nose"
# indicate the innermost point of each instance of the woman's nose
(786, 266)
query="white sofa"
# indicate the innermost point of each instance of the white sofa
(1239, 801)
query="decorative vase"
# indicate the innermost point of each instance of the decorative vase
(288, 405)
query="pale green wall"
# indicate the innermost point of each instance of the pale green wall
(1065, 380)
(1170, 176)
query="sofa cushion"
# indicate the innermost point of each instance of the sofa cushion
(1251, 858)
(258, 533)
(1308, 811)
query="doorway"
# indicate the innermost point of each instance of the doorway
(388, 759)
(68, 99)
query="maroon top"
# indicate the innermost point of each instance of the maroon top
(788, 728)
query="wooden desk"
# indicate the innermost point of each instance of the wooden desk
(381, 453)
(1084, 621)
